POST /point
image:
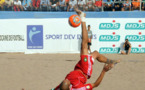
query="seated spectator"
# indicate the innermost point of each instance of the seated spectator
(18, 6)
(45, 5)
(136, 4)
(62, 5)
(72, 5)
(98, 5)
(81, 5)
(2, 4)
(90, 5)
(127, 47)
(127, 5)
(54, 5)
(8, 5)
(27, 5)
(67, 4)
(108, 5)
(36, 5)
(143, 5)
(118, 6)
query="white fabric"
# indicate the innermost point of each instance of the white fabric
(62, 2)
(53, 5)
(9, 2)
(90, 66)
(17, 3)
(82, 2)
(73, 3)
(90, 3)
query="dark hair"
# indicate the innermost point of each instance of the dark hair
(88, 25)
(126, 39)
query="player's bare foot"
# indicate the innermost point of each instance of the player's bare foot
(80, 13)
(108, 67)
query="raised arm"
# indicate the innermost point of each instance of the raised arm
(84, 45)
(100, 78)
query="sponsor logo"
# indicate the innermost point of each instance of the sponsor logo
(11, 37)
(112, 49)
(138, 49)
(34, 37)
(109, 26)
(135, 26)
(109, 37)
(136, 38)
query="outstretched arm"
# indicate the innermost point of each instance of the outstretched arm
(84, 45)
(100, 78)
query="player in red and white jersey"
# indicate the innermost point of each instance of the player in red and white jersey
(76, 79)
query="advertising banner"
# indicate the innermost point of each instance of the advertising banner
(57, 36)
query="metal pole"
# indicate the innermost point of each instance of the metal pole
(140, 4)
(102, 6)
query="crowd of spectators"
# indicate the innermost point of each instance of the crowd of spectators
(69, 5)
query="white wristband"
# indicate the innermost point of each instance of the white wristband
(83, 19)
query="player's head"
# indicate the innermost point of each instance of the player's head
(126, 40)
(89, 27)
(65, 85)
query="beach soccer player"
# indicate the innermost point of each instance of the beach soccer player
(76, 79)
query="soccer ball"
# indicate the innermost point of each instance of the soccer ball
(74, 20)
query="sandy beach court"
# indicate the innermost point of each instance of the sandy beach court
(46, 71)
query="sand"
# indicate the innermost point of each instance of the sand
(45, 71)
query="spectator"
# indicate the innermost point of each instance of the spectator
(118, 6)
(90, 5)
(72, 5)
(127, 47)
(108, 5)
(45, 5)
(2, 4)
(98, 5)
(89, 38)
(18, 6)
(81, 4)
(136, 4)
(36, 5)
(8, 5)
(143, 5)
(62, 5)
(27, 5)
(127, 5)
(67, 4)
(54, 5)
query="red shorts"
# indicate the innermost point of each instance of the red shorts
(85, 65)
(77, 80)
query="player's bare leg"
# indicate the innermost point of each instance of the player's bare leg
(84, 45)
(102, 58)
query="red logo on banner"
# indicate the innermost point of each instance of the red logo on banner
(113, 21)
(139, 33)
(113, 33)
(113, 45)
(140, 21)
(139, 45)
